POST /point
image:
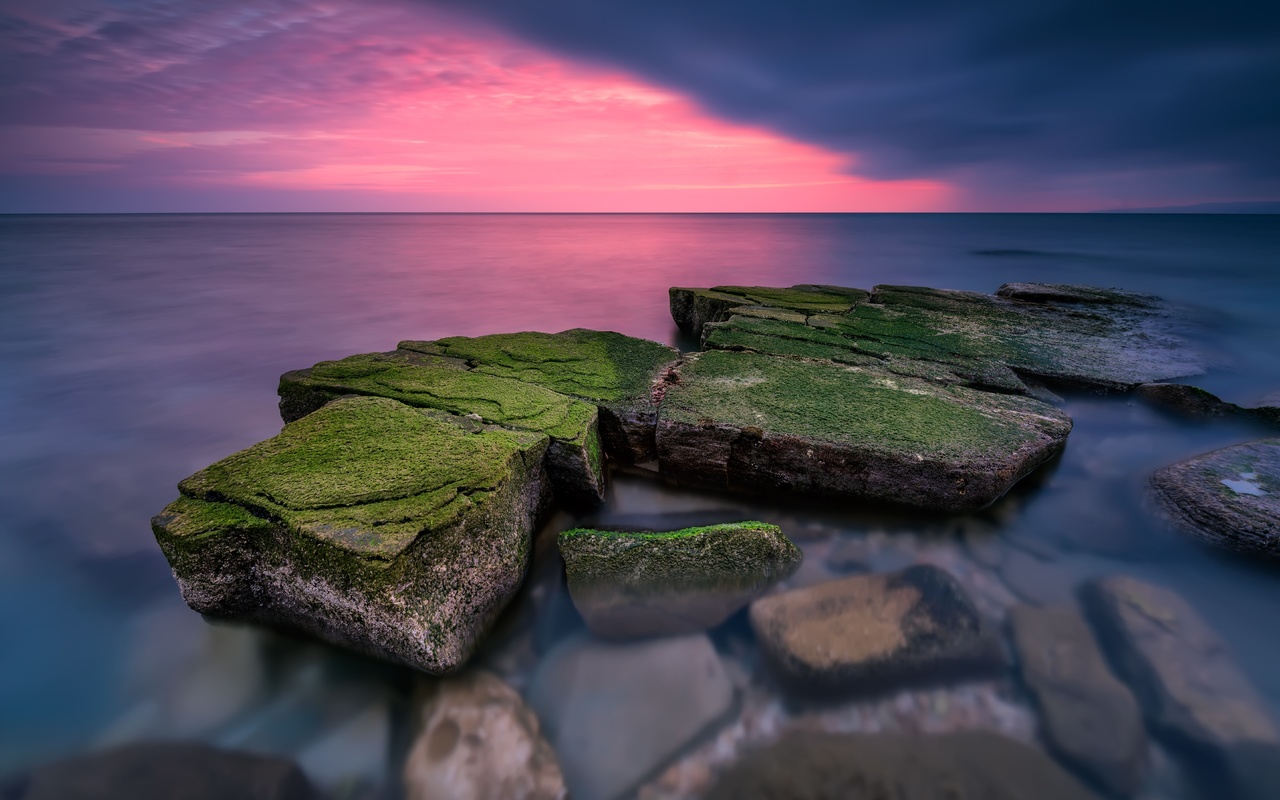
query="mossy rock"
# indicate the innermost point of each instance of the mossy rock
(1068, 335)
(392, 530)
(574, 464)
(748, 421)
(617, 373)
(694, 308)
(629, 584)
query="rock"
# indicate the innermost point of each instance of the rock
(1036, 581)
(868, 633)
(1090, 718)
(169, 770)
(1229, 497)
(1190, 689)
(632, 584)
(694, 308)
(748, 421)
(1117, 340)
(394, 531)
(618, 712)
(1187, 401)
(619, 374)
(574, 463)
(962, 766)
(477, 740)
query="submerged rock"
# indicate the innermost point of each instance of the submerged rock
(391, 530)
(633, 584)
(1090, 718)
(165, 770)
(574, 462)
(869, 633)
(477, 740)
(961, 766)
(617, 712)
(1188, 401)
(1229, 497)
(753, 421)
(1190, 689)
(619, 374)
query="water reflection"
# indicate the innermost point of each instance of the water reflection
(138, 350)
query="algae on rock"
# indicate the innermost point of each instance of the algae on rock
(631, 584)
(392, 530)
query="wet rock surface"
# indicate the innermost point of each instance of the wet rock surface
(629, 584)
(478, 740)
(347, 523)
(868, 633)
(617, 712)
(1230, 497)
(1188, 685)
(753, 421)
(967, 766)
(164, 770)
(1090, 718)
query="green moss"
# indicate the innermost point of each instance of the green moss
(663, 535)
(864, 406)
(368, 474)
(600, 366)
(807, 298)
(189, 518)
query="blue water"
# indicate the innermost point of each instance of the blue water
(138, 349)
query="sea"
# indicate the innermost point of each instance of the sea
(137, 349)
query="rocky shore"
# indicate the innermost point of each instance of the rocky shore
(396, 513)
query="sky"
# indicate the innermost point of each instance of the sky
(631, 105)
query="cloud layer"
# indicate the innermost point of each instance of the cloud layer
(1175, 98)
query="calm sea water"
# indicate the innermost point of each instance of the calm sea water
(138, 349)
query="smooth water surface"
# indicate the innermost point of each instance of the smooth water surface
(138, 349)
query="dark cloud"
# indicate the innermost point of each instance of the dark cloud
(993, 93)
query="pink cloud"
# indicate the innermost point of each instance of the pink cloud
(392, 101)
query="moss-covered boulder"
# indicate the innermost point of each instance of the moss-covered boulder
(1192, 692)
(619, 374)
(694, 308)
(392, 530)
(1229, 497)
(1071, 335)
(574, 461)
(975, 765)
(742, 420)
(870, 633)
(630, 584)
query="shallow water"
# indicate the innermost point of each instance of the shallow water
(138, 349)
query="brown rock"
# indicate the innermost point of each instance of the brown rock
(479, 741)
(1090, 718)
(871, 632)
(1188, 685)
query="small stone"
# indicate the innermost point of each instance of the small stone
(1186, 401)
(820, 766)
(1229, 497)
(1039, 582)
(477, 740)
(187, 771)
(1090, 718)
(629, 584)
(618, 712)
(1190, 689)
(868, 633)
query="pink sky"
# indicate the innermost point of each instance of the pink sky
(393, 107)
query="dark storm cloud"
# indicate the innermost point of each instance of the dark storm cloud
(982, 91)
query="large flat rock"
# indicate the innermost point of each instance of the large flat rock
(1190, 688)
(1230, 497)
(1067, 335)
(749, 421)
(869, 633)
(629, 584)
(618, 373)
(617, 712)
(1090, 718)
(396, 531)
(976, 765)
